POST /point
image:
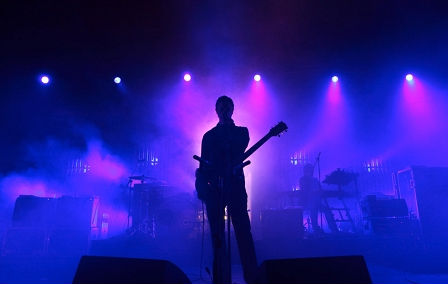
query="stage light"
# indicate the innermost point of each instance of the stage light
(187, 77)
(117, 80)
(257, 77)
(409, 77)
(334, 79)
(45, 79)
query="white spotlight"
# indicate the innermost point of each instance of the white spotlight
(45, 79)
(187, 77)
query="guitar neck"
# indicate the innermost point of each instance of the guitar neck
(255, 147)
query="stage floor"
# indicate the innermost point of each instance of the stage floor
(389, 260)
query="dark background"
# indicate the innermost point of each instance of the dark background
(83, 45)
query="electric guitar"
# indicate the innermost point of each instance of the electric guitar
(277, 130)
(202, 184)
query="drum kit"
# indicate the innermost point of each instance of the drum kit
(156, 209)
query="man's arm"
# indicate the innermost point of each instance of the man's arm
(205, 152)
(246, 137)
(203, 173)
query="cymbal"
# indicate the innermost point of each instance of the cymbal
(142, 178)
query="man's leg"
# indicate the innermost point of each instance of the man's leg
(241, 225)
(314, 220)
(215, 215)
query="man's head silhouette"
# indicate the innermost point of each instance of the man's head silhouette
(224, 108)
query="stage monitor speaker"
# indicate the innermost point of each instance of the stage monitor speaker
(329, 270)
(99, 269)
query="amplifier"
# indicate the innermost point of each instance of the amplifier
(382, 208)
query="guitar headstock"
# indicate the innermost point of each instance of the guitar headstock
(278, 129)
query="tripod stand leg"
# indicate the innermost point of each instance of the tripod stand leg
(228, 246)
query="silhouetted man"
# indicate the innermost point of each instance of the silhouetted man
(219, 185)
(310, 186)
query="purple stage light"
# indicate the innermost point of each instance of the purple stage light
(334, 79)
(187, 77)
(257, 77)
(409, 77)
(45, 79)
(103, 165)
(117, 80)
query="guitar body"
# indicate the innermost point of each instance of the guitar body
(209, 184)
(202, 184)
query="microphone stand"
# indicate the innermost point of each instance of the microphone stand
(320, 186)
(129, 202)
(318, 166)
(221, 180)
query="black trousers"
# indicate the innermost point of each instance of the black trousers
(312, 204)
(236, 202)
